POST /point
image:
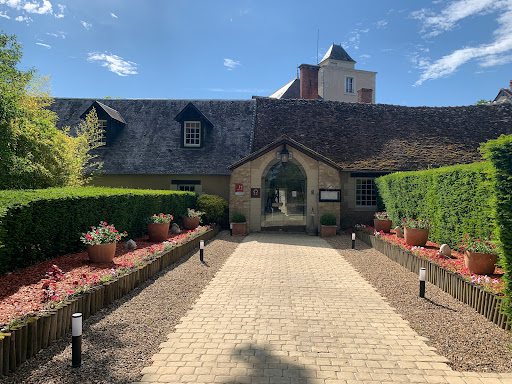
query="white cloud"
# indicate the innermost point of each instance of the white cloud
(364, 56)
(86, 25)
(44, 45)
(113, 15)
(4, 15)
(114, 63)
(24, 18)
(37, 7)
(353, 39)
(231, 64)
(61, 34)
(496, 52)
(382, 23)
(60, 15)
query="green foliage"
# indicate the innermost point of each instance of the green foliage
(328, 219)
(216, 209)
(483, 101)
(456, 200)
(238, 218)
(33, 152)
(36, 225)
(499, 153)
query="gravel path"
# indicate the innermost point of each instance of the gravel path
(467, 339)
(120, 340)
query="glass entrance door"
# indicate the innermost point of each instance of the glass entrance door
(284, 196)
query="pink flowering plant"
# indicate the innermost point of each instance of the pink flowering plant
(161, 218)
(193, 213)
(418, 224)
(102, 234)
(381, 215)
(474, 244)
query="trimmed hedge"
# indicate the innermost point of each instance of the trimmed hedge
(499, 153)
(36, 225)
(216, 209)
(456, 200)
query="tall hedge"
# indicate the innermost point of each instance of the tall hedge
(36, 225)
(456, 199)
(499, 154)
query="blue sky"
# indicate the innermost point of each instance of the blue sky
(435, 53)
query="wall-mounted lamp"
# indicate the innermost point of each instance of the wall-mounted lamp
(284, 155)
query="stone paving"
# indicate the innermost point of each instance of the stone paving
(286, 308)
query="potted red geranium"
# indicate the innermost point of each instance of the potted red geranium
(101, 242)
(480, 255)
(158, 227)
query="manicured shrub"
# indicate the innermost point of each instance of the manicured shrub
(328, 219)
(238, 218)
(456, 200)
(499, 153)
(36, 225)
(216, 209)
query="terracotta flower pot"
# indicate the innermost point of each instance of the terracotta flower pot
(480, 263)
(329, 230)
(416, 236)
(239, 228)
(158, 231)
(190, 222)
(382, 225)
(102, 253)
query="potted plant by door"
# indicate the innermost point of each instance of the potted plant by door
(416, 231)
(382, 222)
(191, 218)
(328, 223)
(480, 255)
(158, 227)
(239, 224)
(101, 242)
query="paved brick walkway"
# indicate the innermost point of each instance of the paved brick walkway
(288, 309)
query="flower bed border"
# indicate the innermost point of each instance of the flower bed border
(486, 303)
(36, 333)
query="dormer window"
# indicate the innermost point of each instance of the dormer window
(102, 134)
(110, 122)
(195, 127)
(192, 134)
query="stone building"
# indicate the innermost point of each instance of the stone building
(281, 162)
(334, 78)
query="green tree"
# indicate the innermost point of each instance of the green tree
(483, 101)
(33, 152)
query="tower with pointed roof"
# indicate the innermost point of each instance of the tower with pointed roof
(338, 80)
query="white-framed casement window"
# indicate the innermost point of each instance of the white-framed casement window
(192, 134)
(102, 133)
(349, 85)
(365, 193)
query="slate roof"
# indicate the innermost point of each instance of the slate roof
(112, 112)
(289, 91)
(378, 137)
(150, 141)
(336, 52)
(504, 95)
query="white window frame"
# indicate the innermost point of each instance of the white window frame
(102, 134)
(192, 128)
(187, 187)
(352, 85)
(362, 193)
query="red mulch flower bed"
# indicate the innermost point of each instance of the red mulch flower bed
(22, 293)
(493, 283)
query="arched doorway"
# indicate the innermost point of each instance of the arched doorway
(284, 197)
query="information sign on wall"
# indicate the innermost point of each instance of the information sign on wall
(239, 189)
(255, 193)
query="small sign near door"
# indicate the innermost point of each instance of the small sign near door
(255, 193)
(239, 189)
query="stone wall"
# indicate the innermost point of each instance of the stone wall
(241, 203)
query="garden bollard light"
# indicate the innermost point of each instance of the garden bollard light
(76, 340)
(201, 250)
(423, 273)
(353, 240)
(231, 229)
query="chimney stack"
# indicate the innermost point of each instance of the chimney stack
(365, 95)
(309, 81)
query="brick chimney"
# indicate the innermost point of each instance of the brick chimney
(364, 95)
(309, 81)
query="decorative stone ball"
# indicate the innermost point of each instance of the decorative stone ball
(445, 250)
(130, 244)
(175, 228)
(398, 231)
